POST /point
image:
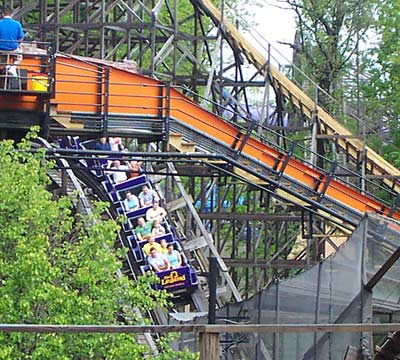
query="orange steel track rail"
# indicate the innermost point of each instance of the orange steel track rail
(81, 88)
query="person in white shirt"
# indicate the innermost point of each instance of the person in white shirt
(158, 229)
(155, 213)
(116, 144)
(157, 260)
(121, 173)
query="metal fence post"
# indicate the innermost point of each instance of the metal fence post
(212, 286)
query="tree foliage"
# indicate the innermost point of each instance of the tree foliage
(57, 267)
(383, 86)
(328, 36)
(334, 48)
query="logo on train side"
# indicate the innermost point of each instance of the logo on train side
(173, 278)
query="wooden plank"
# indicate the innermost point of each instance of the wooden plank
(243, 217)
(194, 244)
(174, 141)
(214, 329)
(178, 203)
(266, 264)
(187, 146)
(245, 175)
(65, 121)
(209, 346)
(337, 136)
(156, 178)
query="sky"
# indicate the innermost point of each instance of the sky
(275, 24)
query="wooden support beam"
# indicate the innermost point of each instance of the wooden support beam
(244, 217)
(195, 170)
(177, 204)
(210, 329)
(385, 176)
(383, 270)
(266, 264)
(288, 128)
(194, 244)
(209, 346)
(337, 136)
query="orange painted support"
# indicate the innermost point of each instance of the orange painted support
(81, 89)
(29, 100)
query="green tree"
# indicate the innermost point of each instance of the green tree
(329, 32)
(327, 49)
(57, 267)
(383, 86)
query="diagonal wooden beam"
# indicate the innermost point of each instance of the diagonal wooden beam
(383, 270)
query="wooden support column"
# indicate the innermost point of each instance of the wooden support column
(64, 179)
(209, 346)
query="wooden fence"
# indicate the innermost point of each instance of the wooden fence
(209, 335)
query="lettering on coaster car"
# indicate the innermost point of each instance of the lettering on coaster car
(173, 279)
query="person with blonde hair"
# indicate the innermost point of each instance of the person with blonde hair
(164, 246)
(158, 229)
(151, 243)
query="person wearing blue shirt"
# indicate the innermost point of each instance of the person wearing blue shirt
(11, 33)
(173, 257)
(131, 201)
(102, 144)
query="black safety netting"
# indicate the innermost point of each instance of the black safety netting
(332, 292)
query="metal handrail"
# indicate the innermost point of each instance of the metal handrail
(163, 112)
(47, 66)
(305, 161)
